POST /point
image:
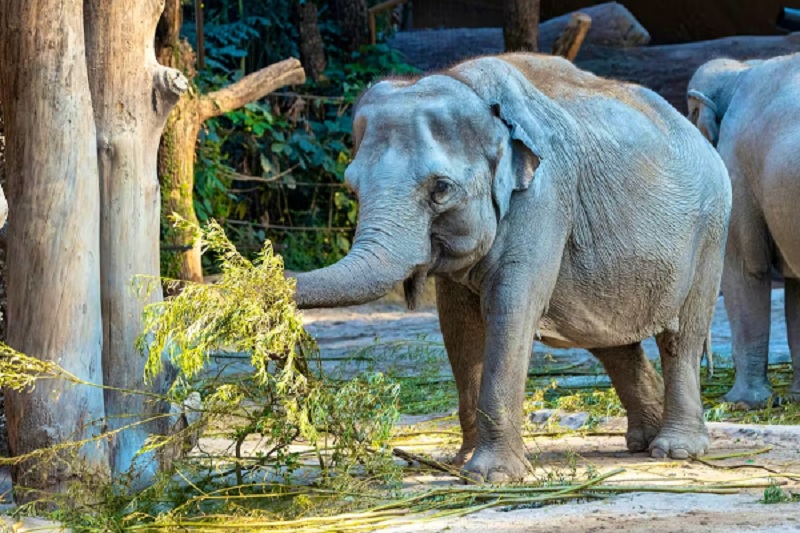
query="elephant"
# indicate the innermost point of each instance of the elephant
(549, 204)
(749, 111)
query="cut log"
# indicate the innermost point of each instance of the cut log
(612, 25)
(132, 95)
(569, 42)
(667, 69)
(54, 240)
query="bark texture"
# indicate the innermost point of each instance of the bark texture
(53, 246)
(133, 95)
(312, 52)
(351, 16)
(521, 25)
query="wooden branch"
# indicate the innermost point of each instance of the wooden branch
(569, 42)
(251, 87)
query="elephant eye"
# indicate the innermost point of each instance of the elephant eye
(441, 190)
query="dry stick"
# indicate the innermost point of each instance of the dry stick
(411, 458)
(569, 42)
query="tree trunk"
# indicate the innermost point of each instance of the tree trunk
(520, 25)
(176, 153)
(132, 95)
(351, 16)
(312, 52)
(53, 242)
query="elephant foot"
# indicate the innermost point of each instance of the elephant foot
(749, 396)
(680, 444)
(496, 466)
(463, 455)
(792, 395)
(640, 434)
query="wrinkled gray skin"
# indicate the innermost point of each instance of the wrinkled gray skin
(548, 203)
(750, 111)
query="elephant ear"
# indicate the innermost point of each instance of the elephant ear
(524, 110)
(705, 115)
(516, 168)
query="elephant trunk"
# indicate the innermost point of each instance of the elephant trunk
(383, 255)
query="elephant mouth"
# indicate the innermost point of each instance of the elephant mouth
(414, 286)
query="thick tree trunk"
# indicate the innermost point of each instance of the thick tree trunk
(53, 242)
(312, 52)
(521, 25)
(132, 95)
(351, 16)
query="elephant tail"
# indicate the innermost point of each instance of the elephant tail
(709, 357)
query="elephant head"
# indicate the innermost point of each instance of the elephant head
(437, 160)
(710, 91)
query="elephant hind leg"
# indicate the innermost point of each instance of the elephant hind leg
(792, 310)
(683, 432)
(746, 289)
(464, 338)
(640, 389)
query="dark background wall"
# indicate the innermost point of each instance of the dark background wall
(668, 21)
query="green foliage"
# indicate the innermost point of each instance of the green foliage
(775, 494)
(297, 144)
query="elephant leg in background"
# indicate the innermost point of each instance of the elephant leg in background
(683, 431)
(792, 309)
(464, 334)
(746, 289)
(639, 387)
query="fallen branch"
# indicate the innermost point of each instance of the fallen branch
(430, 463)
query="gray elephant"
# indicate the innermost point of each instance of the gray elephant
(551, 204)
(750, 111)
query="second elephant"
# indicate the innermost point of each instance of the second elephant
(751, 112)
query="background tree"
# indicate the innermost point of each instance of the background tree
(351, 17)
(177, 149)
(54, 243)
(312, 52)
(521, 25)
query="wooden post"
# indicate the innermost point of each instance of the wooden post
(569, 42)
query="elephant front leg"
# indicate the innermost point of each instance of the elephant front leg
(463, 332)
(792, 309)
(500, 452)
